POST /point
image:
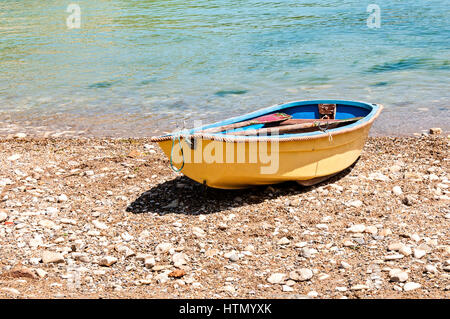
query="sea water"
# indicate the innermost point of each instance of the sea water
(140, 68)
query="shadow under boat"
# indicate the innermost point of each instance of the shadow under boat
(185, 196)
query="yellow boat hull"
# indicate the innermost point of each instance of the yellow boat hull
(236, 166)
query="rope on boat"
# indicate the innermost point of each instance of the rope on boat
(175, 137)
(243, 139)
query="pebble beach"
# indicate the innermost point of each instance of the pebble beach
(107, 218)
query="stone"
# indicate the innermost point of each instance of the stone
(99, 225)
(211, 252)
(52, 257)
(411, 286)
(11, 291)
(344, 265)
(398, 275)
(405, 250)
(233, 257)
(41, 273)
(276, 278)
(349, 243)
(3, 215)
(197, 231)
(431, 269)
(179, 259)
(47, 224)
(304, 274)
(149, 262)
(178, 273)
(408, 200)
(107, 261)
(395, 246)
(435, 131)
(308, 252)
(359, 287)
(163, 248)
(162, 278)
(20, 135)
(127, 237)
(20, 271)
(385, 232)
(419, 253)
(393, 257)
(14, 157)
(355, 203)
(371, 230)
(62, 198)
(283, 241)
(397, 190)
(356, 228)
(287, 288)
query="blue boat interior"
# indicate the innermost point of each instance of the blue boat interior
(305, 110)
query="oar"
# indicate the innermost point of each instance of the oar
(300, 121)
(296, 128)
(269, 118)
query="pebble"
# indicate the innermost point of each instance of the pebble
(179, 259)
(349, 243)
(3, 216)
(14, 157)
(419, 253)
(397, 190)
(355, 203)
(52, 257)
(62, 198)
(232, 257)
(345, 265)
(20, 135)
(405, 250)
(431, 269)
(411, 286)
(435, 131)
(371, 230)
(47, 223)
(149, 262)
(304, 274)
(356, 228)
(398, 275)
(163, 248)
(107, 261)
(99, 225)
(284, 241)
(11, 291)
(287, 288)
(359, 287)
(127, 237)
(393, 257)
(41, 273)
(408, 200)
(276, 278)
(197, 231)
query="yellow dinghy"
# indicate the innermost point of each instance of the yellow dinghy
(247, 156)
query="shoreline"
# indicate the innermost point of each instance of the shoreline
(106, 217)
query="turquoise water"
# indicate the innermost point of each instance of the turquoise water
(138, 68)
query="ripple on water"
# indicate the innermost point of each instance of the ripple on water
(230, 92)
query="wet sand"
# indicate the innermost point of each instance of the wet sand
(101, 217)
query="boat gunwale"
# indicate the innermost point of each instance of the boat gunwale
(367, 120)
